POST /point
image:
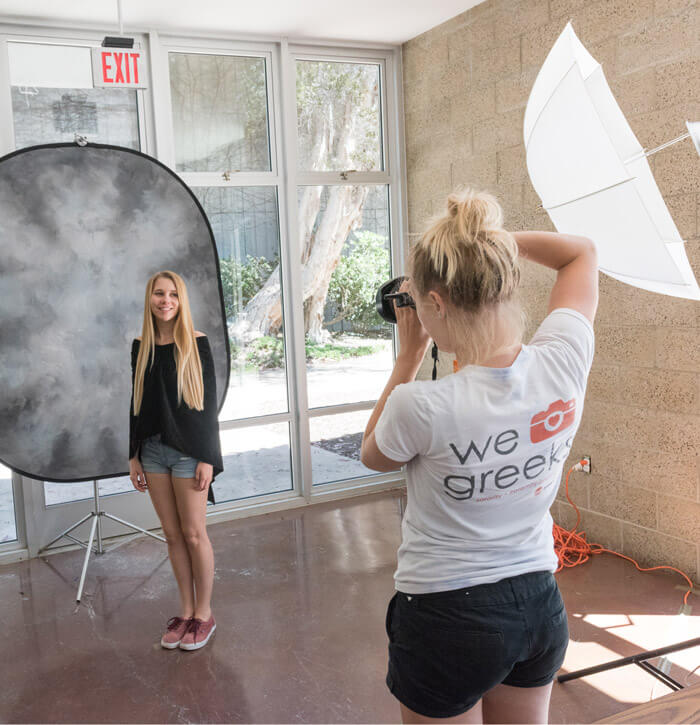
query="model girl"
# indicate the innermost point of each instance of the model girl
(477, 628)
(174, 448)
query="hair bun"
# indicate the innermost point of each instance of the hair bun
(476, 214)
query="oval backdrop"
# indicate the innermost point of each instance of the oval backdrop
(81, 231)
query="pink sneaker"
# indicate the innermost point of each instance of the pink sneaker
(198, 633)
(177, 627)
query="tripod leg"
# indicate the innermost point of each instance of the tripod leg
(87, 557)
(133, 526)
(67, 531)
(96, 490)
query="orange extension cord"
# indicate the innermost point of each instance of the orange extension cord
(573, 549)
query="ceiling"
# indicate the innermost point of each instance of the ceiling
(370, 21)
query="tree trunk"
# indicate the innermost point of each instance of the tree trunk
(343, 214)
(321, 247)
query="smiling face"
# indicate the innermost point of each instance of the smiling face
(165, 304)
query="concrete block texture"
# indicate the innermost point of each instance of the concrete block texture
(663, 39)
(663, 473)
(652, 548)
(466, 85)
(518, 16)
(621, 501)
(599, 528)
(629, 346)
(650, 430)
(679, 517)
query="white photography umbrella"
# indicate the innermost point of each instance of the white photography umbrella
(593, 176)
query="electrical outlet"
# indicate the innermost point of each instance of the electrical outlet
(586, 464)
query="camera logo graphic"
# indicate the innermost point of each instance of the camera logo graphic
(558, 416)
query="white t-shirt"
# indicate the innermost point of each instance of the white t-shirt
(485, 450)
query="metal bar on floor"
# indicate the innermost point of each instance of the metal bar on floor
(634, 659)
(660, 675)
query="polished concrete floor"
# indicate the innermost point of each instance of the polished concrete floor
(300, 599)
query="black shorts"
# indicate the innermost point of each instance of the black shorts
(447, 649)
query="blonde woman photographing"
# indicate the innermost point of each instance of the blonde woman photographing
(174, 448)
(477, 628)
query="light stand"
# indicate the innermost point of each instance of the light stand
(96, 527)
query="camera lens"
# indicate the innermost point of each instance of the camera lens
(387, 294)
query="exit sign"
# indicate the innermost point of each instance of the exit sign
(118, 68)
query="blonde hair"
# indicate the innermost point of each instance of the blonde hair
(190, 386)
(468, 257)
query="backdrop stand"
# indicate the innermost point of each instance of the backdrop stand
(96, 527)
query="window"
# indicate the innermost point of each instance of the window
(245, 223)
(339, 116)
(8, 525)
(53, 99)
(219, 107)
(346, 244)
(345, 238)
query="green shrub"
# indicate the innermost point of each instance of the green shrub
(242, 281)
(329, 351)
(267, 353)
(355, 281)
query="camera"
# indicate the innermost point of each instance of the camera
(387, 294)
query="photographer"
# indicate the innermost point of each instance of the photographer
(477, 627)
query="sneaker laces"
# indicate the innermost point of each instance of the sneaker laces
(174, 623)
(195, 626)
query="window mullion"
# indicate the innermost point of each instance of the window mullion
(294, 297)
(162, 114)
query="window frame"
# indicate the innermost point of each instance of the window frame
(144, 108)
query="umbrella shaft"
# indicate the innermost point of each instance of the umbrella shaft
(657, 148)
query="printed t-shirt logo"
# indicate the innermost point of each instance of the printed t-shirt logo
(547, 423)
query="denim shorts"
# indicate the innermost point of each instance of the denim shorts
(447, 649)
(156, 457)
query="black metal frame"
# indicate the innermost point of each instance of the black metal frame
(641, 661)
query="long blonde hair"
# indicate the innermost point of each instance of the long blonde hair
(190, 386)
(469, 257)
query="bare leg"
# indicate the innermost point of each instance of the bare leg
(160, 487)
(505, 704)
(473, 715)
(192, 508)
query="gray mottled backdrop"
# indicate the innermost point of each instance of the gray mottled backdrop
(81, 231)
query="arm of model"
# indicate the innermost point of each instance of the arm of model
(205, 471)
(136, 472)
(413, 342)
(576, 263)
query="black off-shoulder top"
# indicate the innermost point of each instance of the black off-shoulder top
(193, 432)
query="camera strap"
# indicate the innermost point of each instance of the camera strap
(435, 360)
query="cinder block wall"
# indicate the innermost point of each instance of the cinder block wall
(466, 84)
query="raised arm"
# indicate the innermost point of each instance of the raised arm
(576, 263)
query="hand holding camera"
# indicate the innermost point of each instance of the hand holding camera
(395, 304)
